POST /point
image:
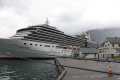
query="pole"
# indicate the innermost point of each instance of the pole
(85, 43)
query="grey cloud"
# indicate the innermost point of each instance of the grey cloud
(2, 3)
(20, 6)
(70, 23)
(68, 17)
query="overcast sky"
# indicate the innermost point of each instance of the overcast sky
(70, 16)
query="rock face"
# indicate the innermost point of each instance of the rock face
(100, 35)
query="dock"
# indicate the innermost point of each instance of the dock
(76, 74)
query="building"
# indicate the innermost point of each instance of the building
(110, 47)
(88, 53)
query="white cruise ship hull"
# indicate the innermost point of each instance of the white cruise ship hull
(14, 49)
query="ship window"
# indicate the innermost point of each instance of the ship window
(24, 43)
(58, 47)
(47, 46)
(35, 44)
(40, 45)
(30, 44)
(52, 46)
(64, 47)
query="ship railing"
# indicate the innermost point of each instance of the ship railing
(61, 70)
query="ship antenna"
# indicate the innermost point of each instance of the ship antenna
(47, 22)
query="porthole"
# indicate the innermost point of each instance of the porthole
(24, 43)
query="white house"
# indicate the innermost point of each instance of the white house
(110, 48)
(88, 53)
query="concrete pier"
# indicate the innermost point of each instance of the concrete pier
(75, 74)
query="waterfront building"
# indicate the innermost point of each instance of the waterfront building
(110, 47)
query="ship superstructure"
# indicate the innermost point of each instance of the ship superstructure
(48, 34)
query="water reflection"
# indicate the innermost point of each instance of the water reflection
(27, 70)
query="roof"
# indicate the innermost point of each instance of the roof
(88, 50)
(114, 40)
(102, 43)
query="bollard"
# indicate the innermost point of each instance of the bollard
(110, 70)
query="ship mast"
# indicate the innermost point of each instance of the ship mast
(47, 22)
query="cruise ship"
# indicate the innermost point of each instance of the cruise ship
(41, 42)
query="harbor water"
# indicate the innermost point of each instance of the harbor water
(27, 70)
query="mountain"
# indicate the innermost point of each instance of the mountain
(100, 35)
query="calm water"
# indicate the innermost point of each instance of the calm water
(27, 70)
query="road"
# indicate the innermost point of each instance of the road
(75, 74)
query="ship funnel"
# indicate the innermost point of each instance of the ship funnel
(87, 35)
